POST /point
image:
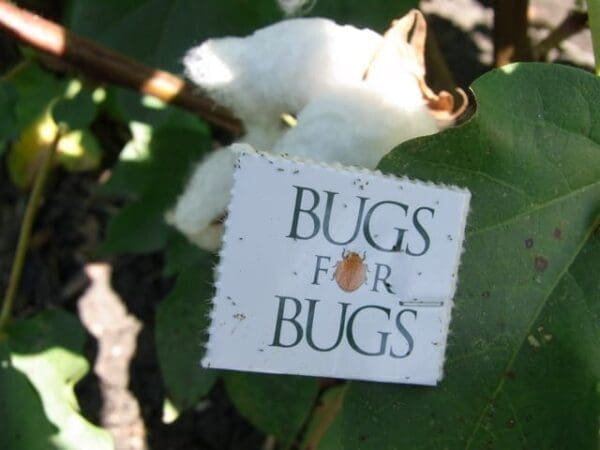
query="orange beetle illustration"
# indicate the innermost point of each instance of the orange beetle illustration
(351, 271)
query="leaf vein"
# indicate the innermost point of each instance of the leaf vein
(518, 347)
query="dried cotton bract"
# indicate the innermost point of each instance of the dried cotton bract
(356, 95)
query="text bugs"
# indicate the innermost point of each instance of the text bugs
(351, 271)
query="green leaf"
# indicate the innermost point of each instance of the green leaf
(36, 90)
(523, 361)
(155, 177)
(275, 404)
(180, 321)
(76, 112)
(24, 424)
(158, 32)
(377, 15)
(8, 119)
(180, 254)
(40, 363)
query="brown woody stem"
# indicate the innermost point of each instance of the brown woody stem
(110, 66)
(573, 23)
(511, 41)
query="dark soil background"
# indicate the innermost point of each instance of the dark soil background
(116, 299)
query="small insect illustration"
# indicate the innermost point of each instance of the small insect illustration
(351, 271)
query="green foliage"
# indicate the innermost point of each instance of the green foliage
(75, 112)
(36, 90)
(40, 363)
(180, 319)
(376, 15)
(152, 171)
(276, 404)
(522, 364)
(8, 120)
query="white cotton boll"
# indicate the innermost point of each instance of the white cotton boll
(395, 73)
(278, 69)
(263, 137)
(207, 193)
(355, 126)
(208, 238)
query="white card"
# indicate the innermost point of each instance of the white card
(335, 272)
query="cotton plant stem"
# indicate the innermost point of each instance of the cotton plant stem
(25, 233)
(594, 20)
(110, 66)
(511, 41)
(573, 23)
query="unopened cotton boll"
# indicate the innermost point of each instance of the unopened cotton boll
(278, 69)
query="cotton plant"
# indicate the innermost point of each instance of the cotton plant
(312, 89)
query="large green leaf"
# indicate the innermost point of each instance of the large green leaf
(275, 404)
(24, 424)
(40, 363)
(523, 362)
(158, 32)
(180, 321)
(36, 90)
(152, 174)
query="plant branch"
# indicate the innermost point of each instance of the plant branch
(110, 66)
(572, 24)
(594, 19)
(511, 41)
(25, 233)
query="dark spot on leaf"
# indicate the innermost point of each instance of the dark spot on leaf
(528, 243)
(540, 264)
(485, 294)
(557, 233)
(362, 438)
(510, 374)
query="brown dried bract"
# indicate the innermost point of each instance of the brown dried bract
(405, 39)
